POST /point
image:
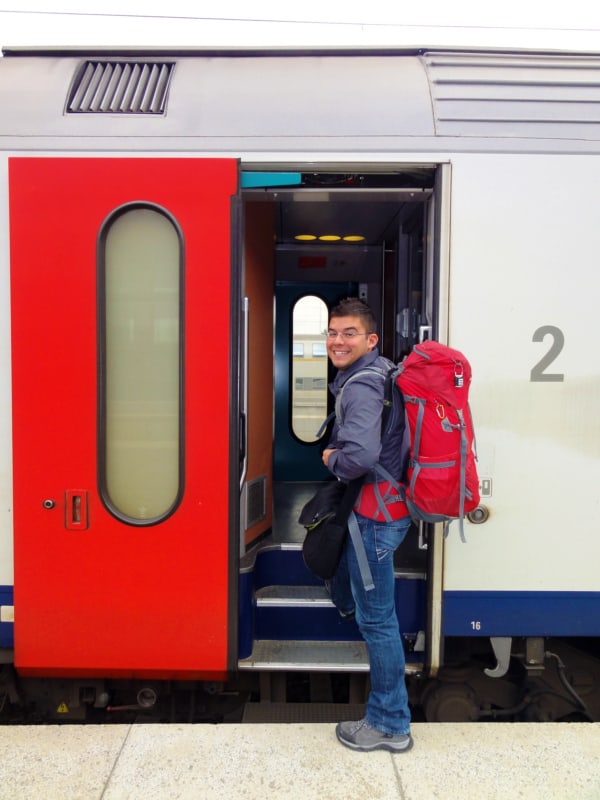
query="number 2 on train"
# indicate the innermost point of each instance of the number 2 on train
(538, 373)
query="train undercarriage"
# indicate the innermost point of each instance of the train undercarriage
(552, 680)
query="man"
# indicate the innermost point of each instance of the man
(356, 446)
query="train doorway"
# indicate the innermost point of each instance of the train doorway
(306, 246)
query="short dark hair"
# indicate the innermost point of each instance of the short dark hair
(354, 307)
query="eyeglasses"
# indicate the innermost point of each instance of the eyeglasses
(347, 336)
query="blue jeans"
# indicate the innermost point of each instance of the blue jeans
(387, 707)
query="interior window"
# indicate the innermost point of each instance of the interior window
(309, 367)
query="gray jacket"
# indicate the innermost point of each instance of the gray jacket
(357, 436)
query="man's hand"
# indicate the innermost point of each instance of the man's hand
(327, 453)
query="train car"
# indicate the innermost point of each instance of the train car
(174, 227)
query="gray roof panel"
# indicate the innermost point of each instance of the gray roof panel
(526, 96)
(235, 97)
(339, 103)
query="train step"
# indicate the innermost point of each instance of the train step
(303, 596)
(296, 612)
(294, 655)
(299, 613)
(312, 656)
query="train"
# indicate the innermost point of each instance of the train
(175, 226)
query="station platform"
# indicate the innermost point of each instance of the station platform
(300, 761)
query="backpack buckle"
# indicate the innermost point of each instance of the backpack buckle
(459, 375)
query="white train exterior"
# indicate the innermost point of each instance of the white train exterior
(508, 147)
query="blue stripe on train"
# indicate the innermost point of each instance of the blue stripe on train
(521, 613)
(6, 628)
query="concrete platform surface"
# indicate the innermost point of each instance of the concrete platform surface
(297, 762)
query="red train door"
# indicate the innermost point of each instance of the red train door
(122, 387)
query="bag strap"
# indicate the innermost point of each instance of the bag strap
(361, 554)
(348, 500)
(338, 400)
(463, 474)
(346, 517)
(321, 430)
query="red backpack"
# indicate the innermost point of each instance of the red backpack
(441, 480)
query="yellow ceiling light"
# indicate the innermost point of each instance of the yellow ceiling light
(329, 237)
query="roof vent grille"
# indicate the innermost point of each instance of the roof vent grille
(121, 87)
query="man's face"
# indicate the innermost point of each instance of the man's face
(348, 340)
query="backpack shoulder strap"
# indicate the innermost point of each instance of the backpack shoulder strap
(366, 371)
(337, 412)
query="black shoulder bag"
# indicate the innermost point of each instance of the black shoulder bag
(325, 518)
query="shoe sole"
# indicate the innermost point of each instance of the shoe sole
(390, 748)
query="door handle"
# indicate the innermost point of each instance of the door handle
(425, 332)
(76, 510)
(243, 399)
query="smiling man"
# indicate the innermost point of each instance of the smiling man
(347, 342)
(357, 445)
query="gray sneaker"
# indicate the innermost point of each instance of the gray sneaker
(362, 736)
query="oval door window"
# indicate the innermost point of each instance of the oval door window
(140, 291)
(309, 367)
